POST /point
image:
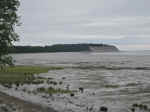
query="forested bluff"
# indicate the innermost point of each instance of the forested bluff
(64, 48)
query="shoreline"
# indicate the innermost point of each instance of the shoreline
(21, 105)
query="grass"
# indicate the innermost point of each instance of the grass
(23, 74)
(141, 107)
(29, 69)
(20, 75)
(111, 86)
(52, 90)
(131, 84)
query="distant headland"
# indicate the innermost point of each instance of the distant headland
(64, 48)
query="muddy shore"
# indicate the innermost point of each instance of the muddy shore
(12, 104)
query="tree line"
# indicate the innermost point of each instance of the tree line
(53, 48)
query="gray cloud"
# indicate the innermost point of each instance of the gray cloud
(119, 22)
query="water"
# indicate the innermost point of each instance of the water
(115, 80)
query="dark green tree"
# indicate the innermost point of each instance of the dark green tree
(8, 21)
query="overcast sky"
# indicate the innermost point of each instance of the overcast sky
(125, 23)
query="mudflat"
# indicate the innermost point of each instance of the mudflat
(19, 105)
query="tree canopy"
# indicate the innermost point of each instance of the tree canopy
(60, 48)
(8, 21)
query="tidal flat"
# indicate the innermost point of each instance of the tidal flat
(81, 82)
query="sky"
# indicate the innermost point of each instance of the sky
(124, 23)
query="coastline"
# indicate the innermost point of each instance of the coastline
(21, 105)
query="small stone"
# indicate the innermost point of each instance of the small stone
(132, 110)
(81, 89)
(72, 94)
(103, 109)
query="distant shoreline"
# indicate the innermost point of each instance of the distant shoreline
(64, 48)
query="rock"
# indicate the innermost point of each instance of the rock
(72, 94)
(81, 89)
(103, 109)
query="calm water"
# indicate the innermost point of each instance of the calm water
(115, 80)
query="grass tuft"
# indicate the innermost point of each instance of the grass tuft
(52, 90)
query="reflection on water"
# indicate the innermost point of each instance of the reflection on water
(116, 80)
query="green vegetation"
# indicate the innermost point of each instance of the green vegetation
(131, 84)
(8, 20)
(111, 86)
(52, 90)
(140, 107)
(20, 75)
(55, 48)
(23, 74)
